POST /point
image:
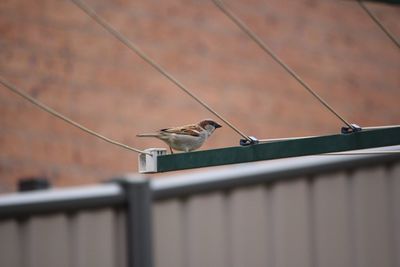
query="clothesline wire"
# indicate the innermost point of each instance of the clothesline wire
(55, 113)
(96, 17)
(130, 45)
(269, 51)
(379, 23)
(58, 115)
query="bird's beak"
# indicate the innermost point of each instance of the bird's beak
(217, 125)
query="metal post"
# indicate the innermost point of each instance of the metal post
(138, 219)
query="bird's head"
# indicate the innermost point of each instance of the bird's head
(209, 125)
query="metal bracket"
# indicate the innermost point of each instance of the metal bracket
(148, 163)
(246, 142)
(353, 129)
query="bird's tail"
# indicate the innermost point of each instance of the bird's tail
(148, 135)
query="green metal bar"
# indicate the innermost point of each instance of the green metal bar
(280, 149)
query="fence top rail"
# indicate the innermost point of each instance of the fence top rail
(254, 173)
(112, 194)
(60, 200)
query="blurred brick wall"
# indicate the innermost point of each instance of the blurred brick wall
(55, 52)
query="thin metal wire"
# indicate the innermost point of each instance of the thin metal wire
(51, 111)
(379, 23)
(362, 153)
(284, 139)
(268, 50)
(380, 127)
(271, 140)
(93, 14)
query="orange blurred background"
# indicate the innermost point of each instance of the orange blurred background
(59, 55)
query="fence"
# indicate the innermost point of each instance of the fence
(310, 211)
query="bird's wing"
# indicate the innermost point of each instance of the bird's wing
(192, 130)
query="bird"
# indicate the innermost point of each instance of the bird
(185, 138)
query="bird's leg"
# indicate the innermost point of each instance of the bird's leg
(170, 149)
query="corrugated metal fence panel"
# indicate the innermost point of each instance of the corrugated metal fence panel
(10, 244)
(251, 202)
(395, 186)
(347, 218)
(291, 237)
(170, 233)
(371, 221)
(314, 211)
(84, 238)
(332, 217)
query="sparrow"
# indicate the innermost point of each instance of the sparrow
(185, 138)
